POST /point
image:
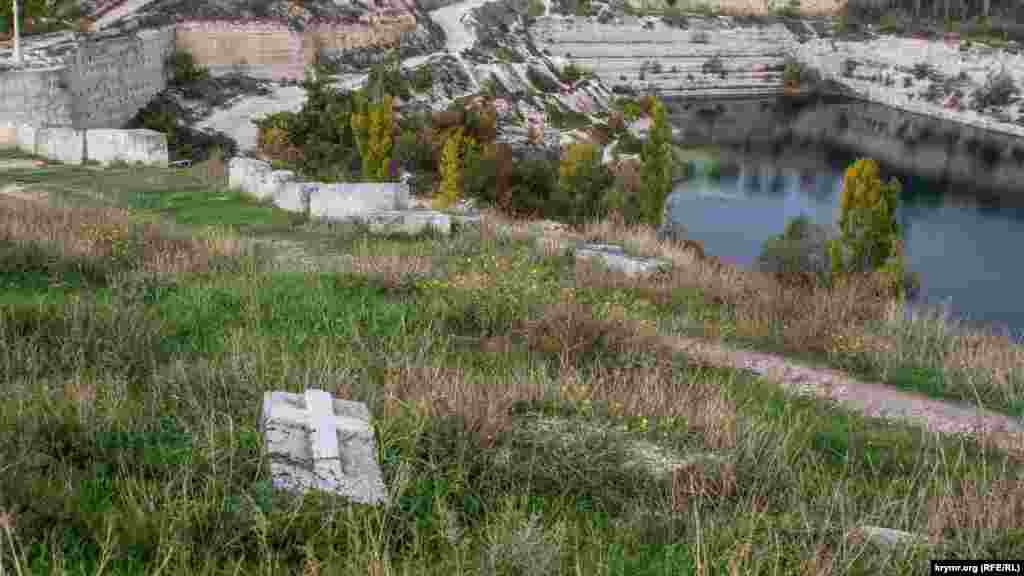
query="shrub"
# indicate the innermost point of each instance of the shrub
(847, 67)
(535, 9)
(423, 79)
(487, 175)
(891, 23)
(714, 65)
(532, 185)
(623, 199)
(631, 111)
(796, 74)
(582, 181)
(998, 90)
(184, 69)
(799, 256)
(571, 73)
(657, 168)
(616, 123)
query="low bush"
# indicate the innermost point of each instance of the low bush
(582, 181)
(184, 70)
(999, 90)
(798, 256)
(714, 65)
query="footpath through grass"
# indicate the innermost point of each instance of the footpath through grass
(526, 423)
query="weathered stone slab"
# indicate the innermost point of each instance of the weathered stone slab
(317, 442)
(146, 146)
(257, 177)
(345, 199)
(615, 258)
(410, 222)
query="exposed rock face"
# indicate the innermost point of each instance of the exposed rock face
(425, 39)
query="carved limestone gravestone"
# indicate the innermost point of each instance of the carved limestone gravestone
(317, 442)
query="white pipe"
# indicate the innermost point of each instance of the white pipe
(17, 34)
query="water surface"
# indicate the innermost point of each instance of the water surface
(967, 252)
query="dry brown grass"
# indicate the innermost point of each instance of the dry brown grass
(438, 392)
(391, 269)
(980, 507)
(105, 233)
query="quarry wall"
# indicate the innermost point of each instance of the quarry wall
(272, 50)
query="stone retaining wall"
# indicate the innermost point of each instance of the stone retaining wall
(339, 200)
(74, 146)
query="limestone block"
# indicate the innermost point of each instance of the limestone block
(258, 178)
(65, 145)
(146, 146)
(294, 196)
(344, 200)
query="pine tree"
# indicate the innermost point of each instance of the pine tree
(869, 240)
(373, 126)
(451, 168)
(656, 173)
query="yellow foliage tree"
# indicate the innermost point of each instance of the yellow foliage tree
(374, 132)
(451, 167)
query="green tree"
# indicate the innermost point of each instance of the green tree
(656, 173)
(373, 127)
(456, 147)
(869, 235)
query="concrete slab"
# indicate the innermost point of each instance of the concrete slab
(65, 145)
(146, 146)
(317, 442)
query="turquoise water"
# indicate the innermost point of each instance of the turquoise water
(968, 253)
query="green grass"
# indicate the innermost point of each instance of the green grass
(129, 438)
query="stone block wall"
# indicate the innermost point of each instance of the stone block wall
(37, 96)
(102, 84)
(63, 144)
(340, 200)
(111, 79)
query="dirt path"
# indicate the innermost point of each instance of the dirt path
(870, 399)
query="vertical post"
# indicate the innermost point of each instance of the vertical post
(17, 34)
